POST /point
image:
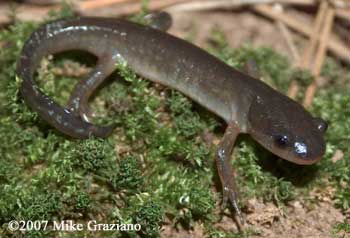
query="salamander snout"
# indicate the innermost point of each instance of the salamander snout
(312, 148)
(301, 148)
(308, 152)
(287, 130)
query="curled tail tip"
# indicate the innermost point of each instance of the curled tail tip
(102, 131)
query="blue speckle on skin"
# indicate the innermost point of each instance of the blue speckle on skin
(300, 149)
(221, 154)
(94, 78)
(79, 130)
(35, 88)
(59, 119)
(91, 81)
(76, 102)
(51, 112)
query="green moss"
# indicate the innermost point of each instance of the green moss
(82, 201)
(197, 203)
(36, 207)
(149, 216)
(66, 10)
(341, 230)
(333, 106)
(128, 175)
(187, 122)
(257, 181)
(92, 153)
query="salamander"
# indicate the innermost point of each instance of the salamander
(245, 103)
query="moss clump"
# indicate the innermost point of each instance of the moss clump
(149, 216)
(257, 181)
(341, 230)
(128, 175)
(82, 201)
(92, 153)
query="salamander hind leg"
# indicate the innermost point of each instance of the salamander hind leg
(159, 20)
(56, 115)
(226, 173)
(78, 101)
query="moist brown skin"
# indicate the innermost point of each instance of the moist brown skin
(247, 104)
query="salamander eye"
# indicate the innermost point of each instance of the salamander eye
(281, 140)
(321, 125)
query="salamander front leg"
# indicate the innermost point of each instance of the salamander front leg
(251, 68)
(223, 163)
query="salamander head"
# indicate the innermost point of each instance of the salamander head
(286, 129)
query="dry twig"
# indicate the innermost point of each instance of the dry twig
(334, 44)
(287, 35)
(93, 4)
(24, 12)
(310, 48)
(132, 6)
(228, 4)
(289, 40)
(293, 89)
(343, 13)
(320, 56)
